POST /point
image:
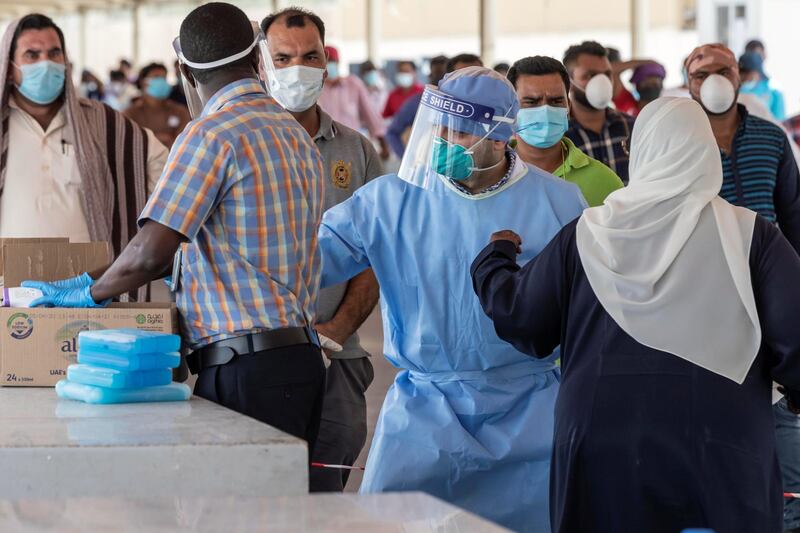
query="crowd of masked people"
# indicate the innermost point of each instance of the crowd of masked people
(146, 97)
(589, 288)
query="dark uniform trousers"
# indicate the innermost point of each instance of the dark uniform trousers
(343, 429)
(282, 387)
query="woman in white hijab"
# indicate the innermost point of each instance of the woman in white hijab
(675, 311)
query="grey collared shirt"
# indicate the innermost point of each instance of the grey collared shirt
(350, 161)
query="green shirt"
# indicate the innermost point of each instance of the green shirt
(595, 180)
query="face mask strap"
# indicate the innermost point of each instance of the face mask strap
(504, 119)
(490, 167)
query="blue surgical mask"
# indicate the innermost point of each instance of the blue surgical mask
(542, 126)
(42, 82)
(333, 70)
(371, 78)
(158, 88)
(455, 161)
(405, 79)
(749, 86)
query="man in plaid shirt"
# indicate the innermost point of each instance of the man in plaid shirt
(597, 130)
(243, 190)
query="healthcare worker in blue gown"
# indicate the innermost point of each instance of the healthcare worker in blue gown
(675, 311)
(469, 418)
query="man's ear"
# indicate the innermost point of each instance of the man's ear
(187, 75)
(255, 59)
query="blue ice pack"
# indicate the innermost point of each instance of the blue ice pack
(128, 341)
(118, 379)
(129, 362)
(174, 392)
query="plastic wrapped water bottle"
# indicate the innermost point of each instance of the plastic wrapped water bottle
(124, 366)
(129, 341)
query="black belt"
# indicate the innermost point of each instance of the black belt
(222, 352)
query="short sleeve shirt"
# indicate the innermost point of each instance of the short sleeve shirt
(243, 184)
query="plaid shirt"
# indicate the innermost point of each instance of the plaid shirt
(243, 184)
(793, 125)
(610, 145)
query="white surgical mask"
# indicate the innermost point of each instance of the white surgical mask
(116, 87)
(296, 88)
(717, 94)
(599, 91)
(405, 79)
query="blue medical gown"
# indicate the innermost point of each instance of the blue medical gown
(469, 419)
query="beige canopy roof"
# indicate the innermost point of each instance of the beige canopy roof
(15, 8)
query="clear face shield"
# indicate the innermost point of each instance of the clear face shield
(445, 135)
(193, 100)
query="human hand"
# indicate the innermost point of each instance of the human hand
(328, 339)
(60, 297)
(329, 344)
(84, 280)
(328, 330)
(508, 235)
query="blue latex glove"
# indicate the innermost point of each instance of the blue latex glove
(84, 280)
(58, 297)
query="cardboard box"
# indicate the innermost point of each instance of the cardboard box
(37, 345)
(4, 242)
(48, 261)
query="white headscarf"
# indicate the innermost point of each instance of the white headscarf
(667, 258)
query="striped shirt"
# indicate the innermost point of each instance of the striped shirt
(761, 174)
(610, 146)
(243, 184)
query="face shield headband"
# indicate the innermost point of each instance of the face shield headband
(193, 99)
(258, 37)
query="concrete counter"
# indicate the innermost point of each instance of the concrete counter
(56, 448)
(328, 513)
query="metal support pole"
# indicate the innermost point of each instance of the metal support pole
(136, 26)
(83, 56)
(374, 31)
(487, 31)
(640, 23)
